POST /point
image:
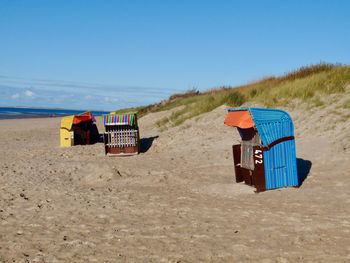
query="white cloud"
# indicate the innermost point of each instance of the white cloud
(99, 98)
(111, 99)
(29, 93)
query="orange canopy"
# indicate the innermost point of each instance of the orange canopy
(86, 116)
(239, 119)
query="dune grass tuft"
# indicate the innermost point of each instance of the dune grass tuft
(346, 104)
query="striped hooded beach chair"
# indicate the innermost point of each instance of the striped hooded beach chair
(121, 135)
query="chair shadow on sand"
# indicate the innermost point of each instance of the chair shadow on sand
(304, 167)
(146, 143)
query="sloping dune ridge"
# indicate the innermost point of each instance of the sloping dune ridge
(176, 201)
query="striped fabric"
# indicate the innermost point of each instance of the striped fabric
(120, 119)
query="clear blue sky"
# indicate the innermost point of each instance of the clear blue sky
(112, 54)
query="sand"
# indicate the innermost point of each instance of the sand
(175, 202)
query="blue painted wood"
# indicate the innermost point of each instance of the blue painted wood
(280, 163)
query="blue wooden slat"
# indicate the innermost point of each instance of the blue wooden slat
(280, 161)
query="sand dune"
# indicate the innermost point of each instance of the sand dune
(174, 202)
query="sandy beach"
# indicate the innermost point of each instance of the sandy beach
(174, 202)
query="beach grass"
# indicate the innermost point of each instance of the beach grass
(307, 84)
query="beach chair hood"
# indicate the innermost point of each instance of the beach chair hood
(120, 119)
(68, 121)
(271, 124)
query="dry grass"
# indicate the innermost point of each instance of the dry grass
(306, 84)
(346, 104)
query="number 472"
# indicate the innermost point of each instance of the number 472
(259, 156)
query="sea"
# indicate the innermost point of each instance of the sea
(20, 113)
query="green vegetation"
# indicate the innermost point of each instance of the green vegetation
(162, 122)
(317, 102)
(194, 106)
(345, 117)
(305, 88)
(306, 84)
(127, 110)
